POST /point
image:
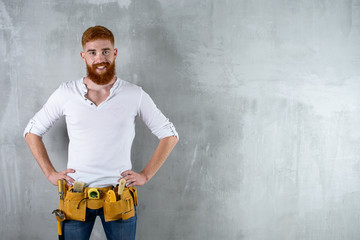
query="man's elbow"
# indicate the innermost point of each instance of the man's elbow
(171, 140)
(31, 137)
(175, 139)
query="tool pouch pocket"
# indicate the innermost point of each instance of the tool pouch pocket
(75, 206)
(123, 208)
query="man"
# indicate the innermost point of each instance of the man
(100, 112)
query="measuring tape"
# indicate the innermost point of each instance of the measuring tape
(93, 193)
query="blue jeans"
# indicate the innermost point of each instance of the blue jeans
(114, 230)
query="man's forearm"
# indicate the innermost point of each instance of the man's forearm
(39, 152)
(38, 149)
(160, 155)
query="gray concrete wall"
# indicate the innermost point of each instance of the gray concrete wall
(264, 94)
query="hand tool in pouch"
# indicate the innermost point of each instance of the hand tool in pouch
(122, 183)
(61, 187)
(60, 216)
(112, 196)
(94, 193)
(78, 187)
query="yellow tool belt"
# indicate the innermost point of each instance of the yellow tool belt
(74, 204)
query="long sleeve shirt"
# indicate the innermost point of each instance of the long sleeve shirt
(100, 137)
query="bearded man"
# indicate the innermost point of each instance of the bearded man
(100, 112)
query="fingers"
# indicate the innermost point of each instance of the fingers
(68, 184)
(63, 176)
(133, 178)
(127, 172)
(129, 176)
(66, 171)
(129, 180)
(69, 180)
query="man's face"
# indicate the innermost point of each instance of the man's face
(99, 56)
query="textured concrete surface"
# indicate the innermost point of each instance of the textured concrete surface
(264, 94)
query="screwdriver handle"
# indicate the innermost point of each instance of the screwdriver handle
(122, 183)
(61, 187)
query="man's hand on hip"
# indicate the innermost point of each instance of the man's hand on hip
(133, 178)
(55, 176)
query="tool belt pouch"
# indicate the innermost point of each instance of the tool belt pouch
(123, 208)
(74, 206)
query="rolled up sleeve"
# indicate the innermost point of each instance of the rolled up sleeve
(47, 116)
(154, 119)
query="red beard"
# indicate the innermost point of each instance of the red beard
(102, 78)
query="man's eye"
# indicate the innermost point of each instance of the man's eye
(92, 53)
(106, 52)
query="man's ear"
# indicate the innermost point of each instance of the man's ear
(82, 55)
(115, 52)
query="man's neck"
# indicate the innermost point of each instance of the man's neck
(96, 87)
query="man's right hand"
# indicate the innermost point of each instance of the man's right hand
(55, 176)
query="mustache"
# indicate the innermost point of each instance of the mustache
(106, 64)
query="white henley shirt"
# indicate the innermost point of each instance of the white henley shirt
(100, 137)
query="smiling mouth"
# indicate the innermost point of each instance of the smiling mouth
(101, 67)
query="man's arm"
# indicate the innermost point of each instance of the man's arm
(38, 149)
(160, 155)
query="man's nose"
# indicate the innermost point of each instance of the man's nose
(99, 58)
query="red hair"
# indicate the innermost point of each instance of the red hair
(97, 32)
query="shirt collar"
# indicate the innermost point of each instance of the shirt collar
(84, 89)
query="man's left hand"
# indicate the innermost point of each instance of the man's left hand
(133, 178)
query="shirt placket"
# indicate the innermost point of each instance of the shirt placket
(92, 104)
(88, 101)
